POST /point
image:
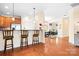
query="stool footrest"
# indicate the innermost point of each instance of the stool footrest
(9, 45)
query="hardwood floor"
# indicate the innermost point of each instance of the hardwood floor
(52, 47)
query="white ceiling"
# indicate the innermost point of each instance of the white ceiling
(55, 10)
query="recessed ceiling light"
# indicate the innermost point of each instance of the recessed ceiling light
(6, 7)
(7, 13)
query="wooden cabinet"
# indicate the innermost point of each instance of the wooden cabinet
(7, 21)
(17, 21)
(1, 21)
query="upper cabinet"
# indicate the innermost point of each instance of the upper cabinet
(17, 20)
(7, 21)
(2, 21)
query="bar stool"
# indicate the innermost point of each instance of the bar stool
(8, 35)
(24, 35)
(35, 37)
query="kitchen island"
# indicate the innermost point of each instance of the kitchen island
(17, 38)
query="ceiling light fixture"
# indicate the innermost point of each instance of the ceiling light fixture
(34, 18)
(34, 13)
(7, 13)
(6, 7)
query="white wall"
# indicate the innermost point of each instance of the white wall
(76, 19)
(27, 22)
(65, 26)
(60, 33)
(71, 26)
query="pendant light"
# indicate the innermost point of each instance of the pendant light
(13, 13)
(34, 12)
(34, 18)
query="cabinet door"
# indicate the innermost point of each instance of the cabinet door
(17, 20)
(8, 21)
(1, 21)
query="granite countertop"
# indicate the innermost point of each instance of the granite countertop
(26, 29)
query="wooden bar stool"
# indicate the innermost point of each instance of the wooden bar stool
(8, 35)
(35, 37)
(24, 35)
